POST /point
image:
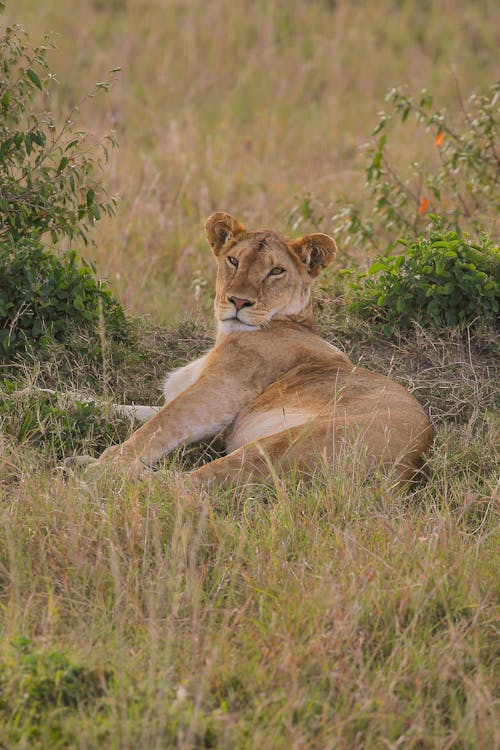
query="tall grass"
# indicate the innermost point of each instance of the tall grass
(333, 615)
(245, 107)
(329, 615)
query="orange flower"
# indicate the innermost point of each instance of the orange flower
(424, 204)
(439, 139)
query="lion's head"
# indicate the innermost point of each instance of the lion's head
(262, 275)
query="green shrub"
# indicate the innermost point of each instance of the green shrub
(441, 280)
(48, 187)
(457, 177)
(44, 297)
(47, 172)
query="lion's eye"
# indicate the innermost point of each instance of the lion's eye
(276, 271)
(233, 261)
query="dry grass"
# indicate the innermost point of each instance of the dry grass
(245, 107)
(330, 616)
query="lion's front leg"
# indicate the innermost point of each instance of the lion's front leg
(121, 455)
(197, 413)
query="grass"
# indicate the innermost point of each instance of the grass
(331, 615)
(334, 615)
(245, 108)
(328, 615)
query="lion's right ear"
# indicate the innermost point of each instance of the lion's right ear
(219, 228)
(316, 251)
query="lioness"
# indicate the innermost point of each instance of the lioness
(282, 395)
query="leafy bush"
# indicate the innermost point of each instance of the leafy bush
(443, 279)
(44, 297)
(457, 180)
(47, 185)
(47, 180)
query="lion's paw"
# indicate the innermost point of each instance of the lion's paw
(114, 460)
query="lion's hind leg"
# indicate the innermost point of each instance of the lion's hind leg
(301, 450)
(295, 450)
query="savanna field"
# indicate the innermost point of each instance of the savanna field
(335, 614)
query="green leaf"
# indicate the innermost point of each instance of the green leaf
(381, 125)
(376, 267)
(39, 138)
(34, 78)
(73, 142)
(63, 164)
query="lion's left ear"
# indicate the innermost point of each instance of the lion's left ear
(219, 228)
(316, 251)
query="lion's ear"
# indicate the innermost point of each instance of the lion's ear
(219, 228)
(316, 251)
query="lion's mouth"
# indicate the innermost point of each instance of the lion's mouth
(233, 316)
(246, 320)
(243, 316)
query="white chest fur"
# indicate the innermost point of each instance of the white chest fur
(178, 380)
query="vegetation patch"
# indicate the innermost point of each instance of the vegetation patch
(441, 280)
(334, 613)
(60, 425)
(47, 171)
(44, 298)
(39, 689)
(457, 180)
(49, 187)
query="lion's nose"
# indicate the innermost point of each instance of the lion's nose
(238, 302)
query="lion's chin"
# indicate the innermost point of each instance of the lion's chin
(234, 325)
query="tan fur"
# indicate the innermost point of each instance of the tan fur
(283, 396)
